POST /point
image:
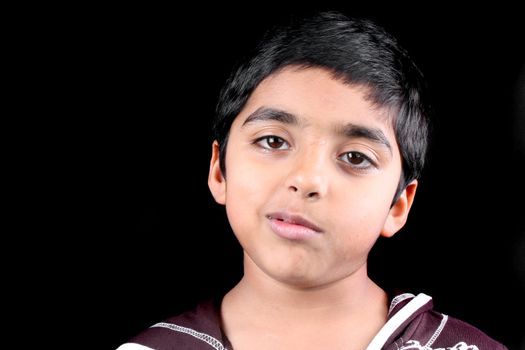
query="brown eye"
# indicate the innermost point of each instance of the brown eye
(272, 143)
(357, 160)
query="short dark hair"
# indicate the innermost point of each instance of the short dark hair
(357, 52)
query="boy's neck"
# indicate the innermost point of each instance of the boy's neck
(347, 312)
(260, 290)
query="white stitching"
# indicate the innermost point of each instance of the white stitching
(399, 299)
(201, 336)
(437, 332)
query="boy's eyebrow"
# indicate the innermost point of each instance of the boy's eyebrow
(349, 130)
(359, 131)
(266, 113)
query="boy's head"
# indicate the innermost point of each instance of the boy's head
(319, 139)
(354, 51)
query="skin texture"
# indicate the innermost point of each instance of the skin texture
(305, 288)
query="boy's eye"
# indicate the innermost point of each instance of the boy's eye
(357, 160)
(272, 142)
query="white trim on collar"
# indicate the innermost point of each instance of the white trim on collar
(133, 346)
(395, 321)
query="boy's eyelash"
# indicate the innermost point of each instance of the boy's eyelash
(271, 139)
(358, 155)
(266, 141)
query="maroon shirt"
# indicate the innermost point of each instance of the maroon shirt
(412, 325)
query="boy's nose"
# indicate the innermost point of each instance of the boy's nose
(308, 178)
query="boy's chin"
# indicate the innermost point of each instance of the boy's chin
(314, 277)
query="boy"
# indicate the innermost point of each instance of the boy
(320, 139)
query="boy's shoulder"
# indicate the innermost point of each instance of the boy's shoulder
(413, 324)
(195, 329)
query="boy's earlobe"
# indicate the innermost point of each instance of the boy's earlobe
(216, 181)
(398, 214)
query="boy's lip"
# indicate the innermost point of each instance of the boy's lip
(294, 220)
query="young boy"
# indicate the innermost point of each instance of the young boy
(320, 139)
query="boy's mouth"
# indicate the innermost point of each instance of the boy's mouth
(292, 226)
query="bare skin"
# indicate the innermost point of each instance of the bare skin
(329, 317)
(312, 168)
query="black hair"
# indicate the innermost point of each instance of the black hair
(357, 52)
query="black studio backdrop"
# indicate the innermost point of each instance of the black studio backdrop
(148, 239)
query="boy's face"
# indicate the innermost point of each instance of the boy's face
(312, 168)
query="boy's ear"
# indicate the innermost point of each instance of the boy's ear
(216, 181)
(398, 214)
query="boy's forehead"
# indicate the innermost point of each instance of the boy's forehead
(316, 95)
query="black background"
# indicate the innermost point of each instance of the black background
(145, 239)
